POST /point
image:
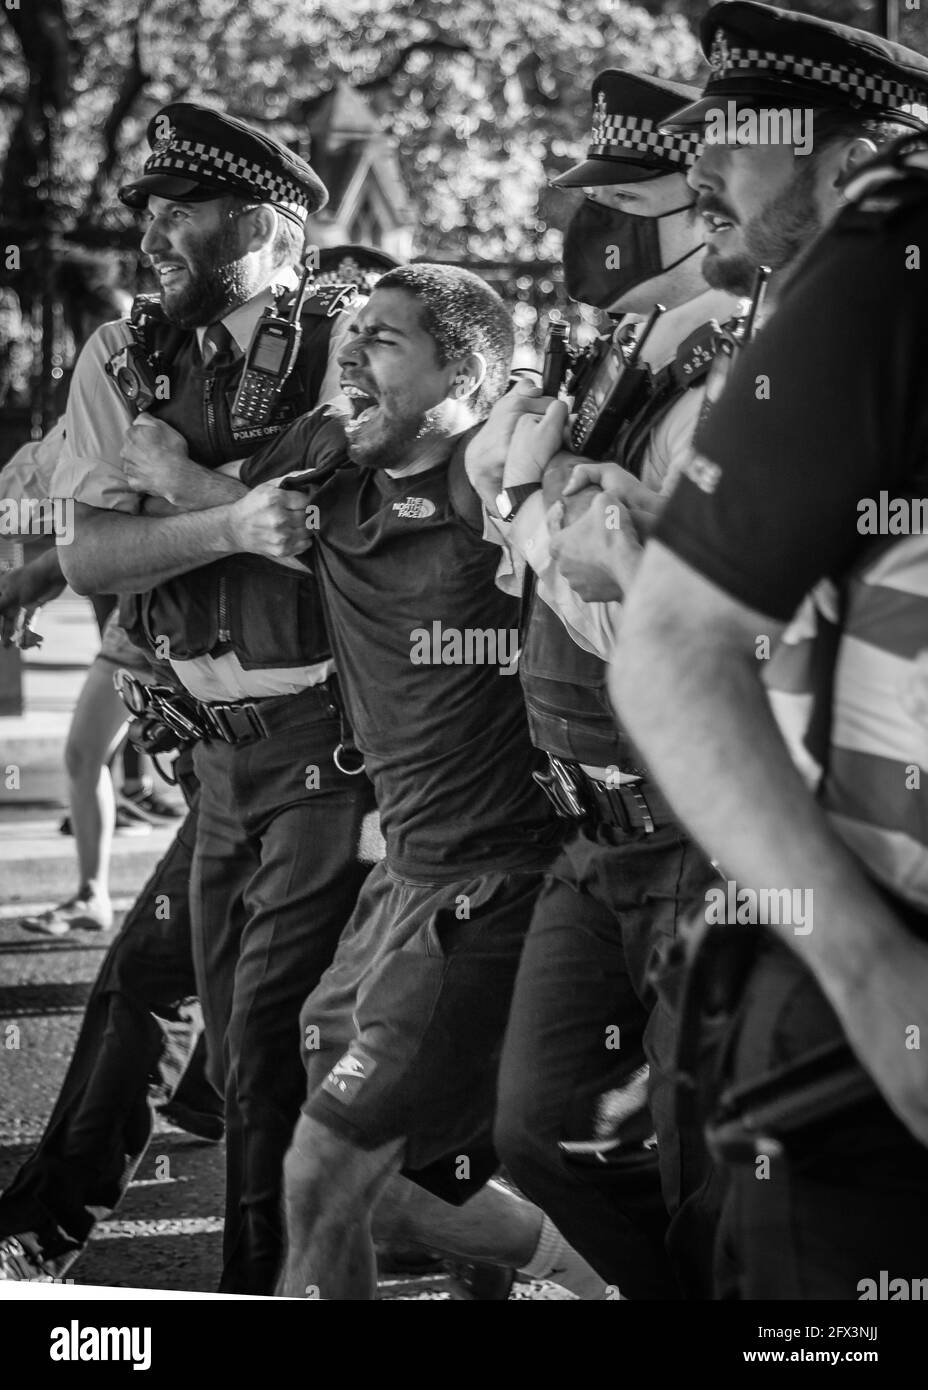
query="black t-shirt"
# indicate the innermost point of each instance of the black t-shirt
(770, 503)
(406, 579)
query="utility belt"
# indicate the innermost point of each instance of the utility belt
(167, 719)
(579, 795)
(704, 974)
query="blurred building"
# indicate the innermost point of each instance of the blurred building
(356, 160)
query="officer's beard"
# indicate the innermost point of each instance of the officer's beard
(218, 281)
(786, 227)
(777, 235)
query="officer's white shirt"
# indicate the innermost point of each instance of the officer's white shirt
(90, 471)
(670, 440)
(676, 325)
(594, 626)
(27, 475)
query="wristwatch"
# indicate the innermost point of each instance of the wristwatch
(510, 499)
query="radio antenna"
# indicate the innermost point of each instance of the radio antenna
(306, 279)
(757, 299)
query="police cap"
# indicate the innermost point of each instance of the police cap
(760, 55)
(627, 143)
(198, 153)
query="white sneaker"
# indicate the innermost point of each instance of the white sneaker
(20, 1259)
(77, 914)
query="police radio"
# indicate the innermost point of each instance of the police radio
(609, 387)
(730, 343)
(556, 359)
(269, 361)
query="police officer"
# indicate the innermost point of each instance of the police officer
(276, 867)
(756, 192)
(844, 1184)
(575, 1060)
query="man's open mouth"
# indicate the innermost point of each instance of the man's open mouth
(717, 222)
(362, 405)
(168, 272)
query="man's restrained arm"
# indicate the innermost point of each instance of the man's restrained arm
(124, 553)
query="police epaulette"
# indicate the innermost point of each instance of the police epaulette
(879, 204)
(897, 179)
(328, 300)
(695, 354)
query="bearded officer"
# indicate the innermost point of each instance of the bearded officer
(275, 869)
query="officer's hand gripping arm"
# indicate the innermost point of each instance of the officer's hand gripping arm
(156, 463)
(599, 552)
(115, 551)
(486, 453)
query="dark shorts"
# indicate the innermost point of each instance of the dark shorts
(403, 1034)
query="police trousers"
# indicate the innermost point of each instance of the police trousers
(276, 873)
(848, 1199)
(140, 1030)
(584, 1021)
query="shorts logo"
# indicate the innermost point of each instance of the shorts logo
(346, 1077)
(414, 508)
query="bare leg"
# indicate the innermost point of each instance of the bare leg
(97, 727)
(330, 1190)
(494, 1225)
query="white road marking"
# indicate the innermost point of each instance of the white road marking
(177, 1226)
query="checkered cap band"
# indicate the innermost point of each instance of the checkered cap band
(866, 86)
(194, 159)
(614, 134)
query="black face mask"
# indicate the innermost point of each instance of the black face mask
(591, 241)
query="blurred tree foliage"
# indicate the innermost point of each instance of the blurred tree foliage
(485, 98)
(482, 96)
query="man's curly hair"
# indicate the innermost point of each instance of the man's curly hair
(463, 315)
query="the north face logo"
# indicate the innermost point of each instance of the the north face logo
(416, 508)
(345, 1078)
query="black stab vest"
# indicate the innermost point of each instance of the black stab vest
(267, 615)
(566, 695)
(565, 692)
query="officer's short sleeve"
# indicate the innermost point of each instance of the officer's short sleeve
(96, 421)
(316, 441)
(28, 475)
(826, 408)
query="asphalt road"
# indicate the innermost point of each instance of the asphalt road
(167, 1233)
